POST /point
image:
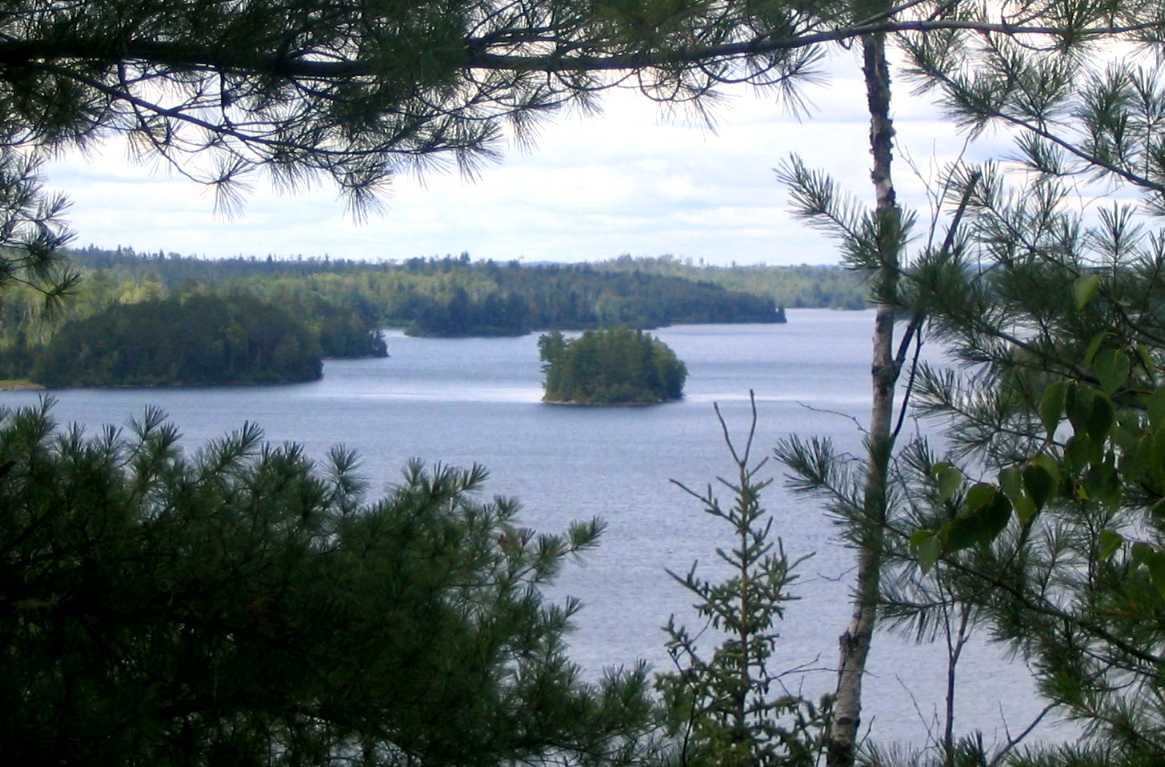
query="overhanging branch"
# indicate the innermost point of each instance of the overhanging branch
(477, 51)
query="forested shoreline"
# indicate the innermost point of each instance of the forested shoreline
(343, 305)
(197, 340)
(801, 287)
(454, 296)
(112, 334)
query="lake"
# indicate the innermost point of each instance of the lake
(466, 400)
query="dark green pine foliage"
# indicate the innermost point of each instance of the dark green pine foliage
(244, 606)
(192, 341)
(1055, 484)
(609, 367)
(1045, 515)
(1044, 520)
(1050, 500)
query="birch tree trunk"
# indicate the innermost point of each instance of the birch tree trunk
(855, 642)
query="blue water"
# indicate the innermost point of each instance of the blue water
(477, 400)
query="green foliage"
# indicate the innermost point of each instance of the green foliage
(192, 341)
(1076, 755)
(356, 92)
(865, 237)
(1058, 330)
(729, 707)
(32, 231)
(610, 366)
(245, 606)
(363, 90)
(459, 315)
(1044, 518)
(340, 325)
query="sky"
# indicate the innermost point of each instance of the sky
(633, 179)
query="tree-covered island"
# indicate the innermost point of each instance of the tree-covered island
(611, 366)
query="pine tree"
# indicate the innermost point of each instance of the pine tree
(992, 80)
(1045, 517)
(246, 606)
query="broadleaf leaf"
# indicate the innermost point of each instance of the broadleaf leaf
(1084, 289)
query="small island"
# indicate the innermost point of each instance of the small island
(611, 366)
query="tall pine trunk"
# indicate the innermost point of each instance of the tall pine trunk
(855, 642)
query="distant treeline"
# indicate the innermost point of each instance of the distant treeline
(454, 296)
(160, 331)
(796, 287)
(802, 287)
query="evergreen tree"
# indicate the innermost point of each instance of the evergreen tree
(1047, 532)
(246, 606)
(191, 341)
(982, 64)
(1058, 539)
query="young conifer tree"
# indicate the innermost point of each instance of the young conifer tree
(728, 706)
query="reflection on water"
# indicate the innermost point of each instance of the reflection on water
(466, 400)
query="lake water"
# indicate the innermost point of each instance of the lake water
(466, 400)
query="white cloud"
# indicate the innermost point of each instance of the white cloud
(633, 179)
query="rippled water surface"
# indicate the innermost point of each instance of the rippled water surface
(466, 400)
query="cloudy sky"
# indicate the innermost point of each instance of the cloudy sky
(631, 180)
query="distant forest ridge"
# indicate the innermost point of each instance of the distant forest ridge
(451, 296)
(801, 286)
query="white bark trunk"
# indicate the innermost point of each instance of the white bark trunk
(855, 642)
